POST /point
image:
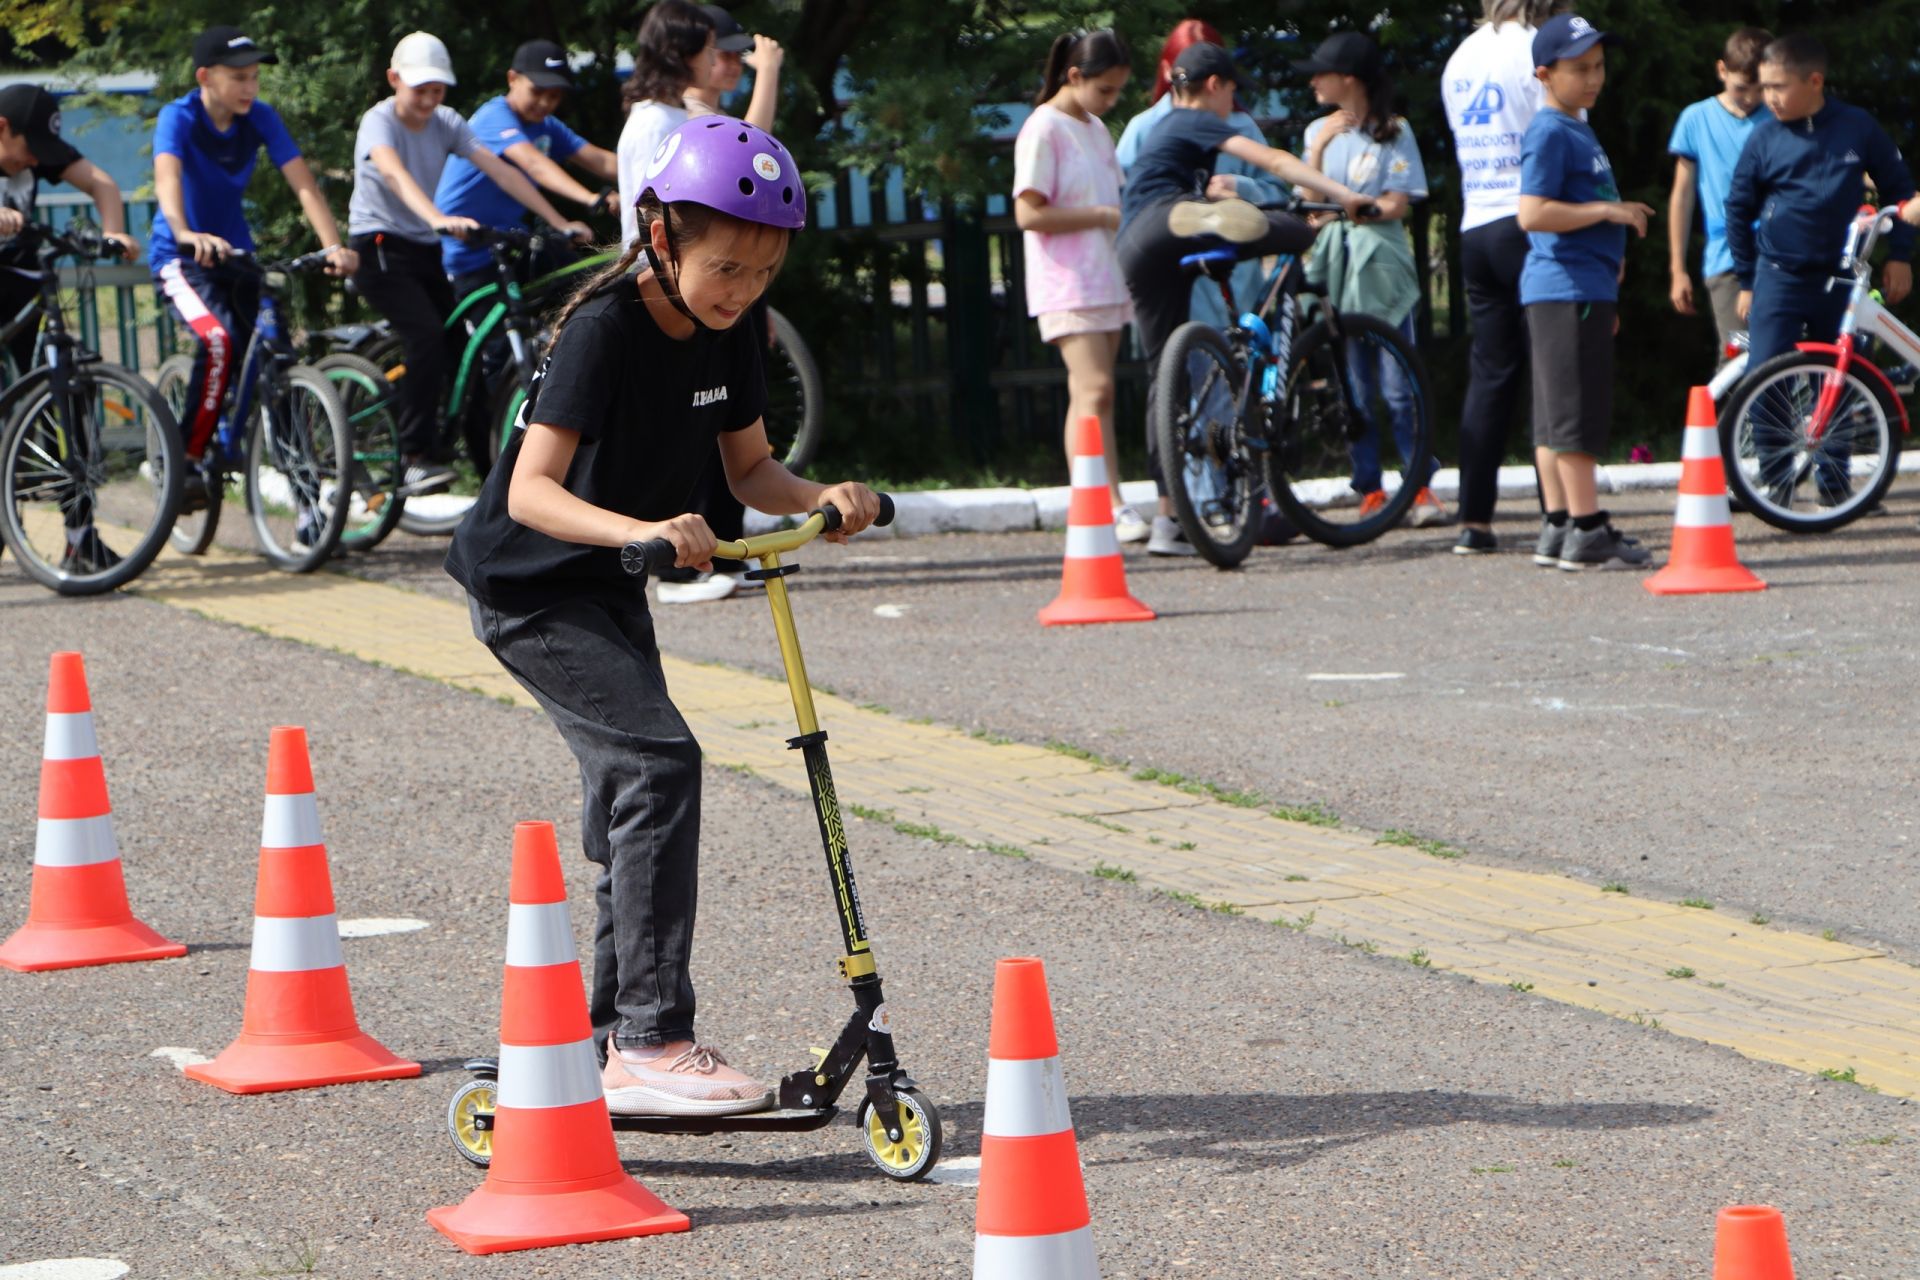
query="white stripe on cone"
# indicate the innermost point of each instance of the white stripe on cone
(1091, 541)
(1026, 1098)
(1699, 443)
(1068, 1254)
(296, 944)
(539, 933)
(290, 822)
(1702, 511)
(548, 1075)
(70, 736)
(1089, 471)
(75, 842)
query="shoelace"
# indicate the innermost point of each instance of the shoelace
(699, 1058)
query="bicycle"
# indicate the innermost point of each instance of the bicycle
(1230, 427)
(1808, 438)
(89, 454)
(284, 431)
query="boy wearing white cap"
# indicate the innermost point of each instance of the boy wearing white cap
(403, 144)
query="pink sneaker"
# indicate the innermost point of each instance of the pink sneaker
(678, 1079)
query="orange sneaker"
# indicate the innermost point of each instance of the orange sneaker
(1370, 503)
(1426, 510)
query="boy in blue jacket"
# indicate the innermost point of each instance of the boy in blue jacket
(1801, 176)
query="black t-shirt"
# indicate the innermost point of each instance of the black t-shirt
(21, 192)
(649, 410)
(1185, 143)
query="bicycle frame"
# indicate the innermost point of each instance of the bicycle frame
(267, 343)
(504, 302)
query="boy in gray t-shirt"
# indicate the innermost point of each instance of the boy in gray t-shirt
(398, 154)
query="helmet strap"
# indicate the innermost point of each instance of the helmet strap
(670, 287)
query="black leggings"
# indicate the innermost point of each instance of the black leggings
(1490, 260)
(1163, 290)
(404, 281)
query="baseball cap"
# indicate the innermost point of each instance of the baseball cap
(544, 63)
(228, 47)
(422, 59)
(728, 35)
(1200, 60)
(34, 114)
(1348, 53)
(1566, 35)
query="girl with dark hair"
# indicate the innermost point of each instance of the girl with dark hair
(675, 50)
(651, 368)
(1369, 269)
(1066, 192)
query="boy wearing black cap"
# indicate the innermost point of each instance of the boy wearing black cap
(1576, 225)
(31, 152)
(205, 145)
(521, 128)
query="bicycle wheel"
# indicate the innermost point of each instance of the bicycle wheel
(507, 400)
(299, 458)
(1786, 474)
(373, 509)
(1327, 411)
(193, 530)
(1213, 468)
(796, 401)
(88, 489)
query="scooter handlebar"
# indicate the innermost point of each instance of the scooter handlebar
(642, 560)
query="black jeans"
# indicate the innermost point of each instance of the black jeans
(403, 280)
(1490, 260)
(1163, 290)
(593, 666)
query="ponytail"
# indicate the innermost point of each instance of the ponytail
(1093, 53)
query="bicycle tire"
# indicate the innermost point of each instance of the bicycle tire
(192, 531)
(796, 396)
(375, 509)
(289, 469)
(138, 495)
(1755, 410)
(1309, 468)
(507, 400)
(1212, 467)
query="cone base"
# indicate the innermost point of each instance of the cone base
(1677, 580)
(250, 1065)
(492, 1221)
(1066, 612)
(38, 947)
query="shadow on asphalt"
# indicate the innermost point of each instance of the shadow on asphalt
(737, 1215)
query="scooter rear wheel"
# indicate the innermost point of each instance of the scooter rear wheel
(918, 1150)
(475, 1096)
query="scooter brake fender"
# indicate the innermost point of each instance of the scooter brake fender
(1879, 375)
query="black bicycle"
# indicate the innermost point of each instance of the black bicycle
(1276, 405)
(90, 457)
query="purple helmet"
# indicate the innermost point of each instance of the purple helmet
(731, 166)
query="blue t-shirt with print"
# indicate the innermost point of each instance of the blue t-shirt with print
(1561, 159)
(215, 167)
(466, 192)
(1369, 166)
(1711, 137)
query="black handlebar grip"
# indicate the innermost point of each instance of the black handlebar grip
(831, 515)
(1370, 210)
(885, 517)
(641, 559)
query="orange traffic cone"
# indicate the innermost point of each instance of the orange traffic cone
(1703, 558)
(1032, 1221)
(555, 1177)
(78, 914)
(298, 1030)
(1751, 1244)
(1093, 582)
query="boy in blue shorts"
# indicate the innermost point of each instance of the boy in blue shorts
(521, 128)
(1576, 224)
(1706, 144)
(205, 145)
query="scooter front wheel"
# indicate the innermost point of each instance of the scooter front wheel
(917, 1151)
(475, 1097)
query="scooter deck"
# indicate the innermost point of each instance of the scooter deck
(789, 1120)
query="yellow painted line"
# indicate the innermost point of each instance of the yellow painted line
(1771, 994)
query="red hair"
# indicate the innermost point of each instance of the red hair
(1189, 31)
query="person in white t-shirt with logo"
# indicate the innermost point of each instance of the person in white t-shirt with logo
(1491, 96)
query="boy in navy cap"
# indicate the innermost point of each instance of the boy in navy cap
(1576, 227)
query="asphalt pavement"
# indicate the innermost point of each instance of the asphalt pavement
(1249, 1101)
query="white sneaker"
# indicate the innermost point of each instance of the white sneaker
(1168, 539)
(695, 1081)
(708, 586)
(1232, 219)
(1128, 526)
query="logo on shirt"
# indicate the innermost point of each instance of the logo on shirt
(1485, 105)
(1853, 157)
(713, 395)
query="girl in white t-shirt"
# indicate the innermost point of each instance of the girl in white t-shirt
(674, 52)
(1066, 189)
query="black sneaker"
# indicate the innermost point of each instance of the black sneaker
(1476, 542)
(1553, 539)
(88, 556)
(1602, 548)
(426, 477)
(193, 491)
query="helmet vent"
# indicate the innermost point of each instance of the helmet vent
(786, 195)
(743, 135)
(746, 186)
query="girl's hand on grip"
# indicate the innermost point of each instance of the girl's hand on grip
(858, 506)
(693, 542)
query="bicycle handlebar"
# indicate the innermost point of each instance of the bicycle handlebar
(79, 240)
(1299, 205)
(641, 559)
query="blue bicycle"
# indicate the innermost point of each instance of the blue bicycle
(1289, 403)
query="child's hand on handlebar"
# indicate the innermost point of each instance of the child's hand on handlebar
(12, 222)
(1910, 211)
(129, 247)
(1361, 208)
(455, 226)
(207, 248)
(579, 232)
(1221, 186)
(858, 506)
(693, 542)
(342, 261)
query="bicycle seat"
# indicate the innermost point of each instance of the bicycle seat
(1217, 264)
